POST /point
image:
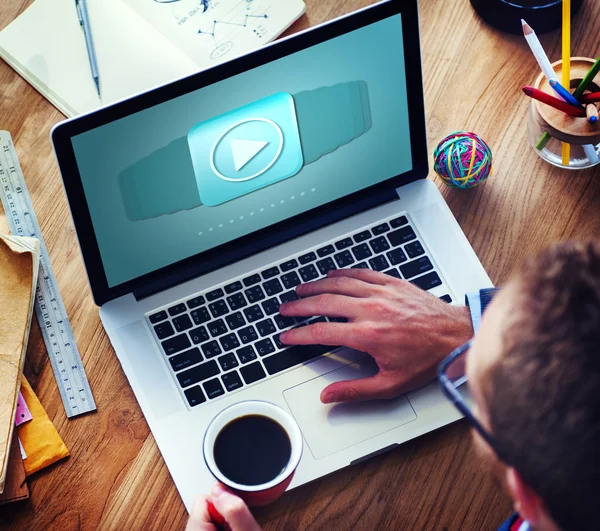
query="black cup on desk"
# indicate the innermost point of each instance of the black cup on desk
(506, 15)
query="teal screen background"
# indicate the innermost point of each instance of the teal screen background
(130, 249)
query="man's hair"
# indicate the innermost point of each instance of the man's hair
(544, 397)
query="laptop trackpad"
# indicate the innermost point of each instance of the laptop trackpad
(329, 428)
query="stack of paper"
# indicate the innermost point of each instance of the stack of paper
(19, 263)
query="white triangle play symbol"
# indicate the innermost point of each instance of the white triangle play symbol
(244, 151)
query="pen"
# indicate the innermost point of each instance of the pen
(554, 102)
(84, 21)
(564, 93)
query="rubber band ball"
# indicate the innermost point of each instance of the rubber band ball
(463, 160)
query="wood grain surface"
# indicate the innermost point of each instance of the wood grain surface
(115, 477)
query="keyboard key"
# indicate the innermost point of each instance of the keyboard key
(379, 244)
(270, 273)
(289, 296)
(393, 273)
(320, 319)
(397, 256)
(198, 373)
(283, 322)
(290, 280)
(360, 265)
(271, 306)
(327, 250)
(337, 319)
(211, 349)
(294, 356)
(251, 280)
(246, 354)
(327, 264)
(306, 258)
(416, 267)
(266, 327)
(253, 313)
(183, 322)
(428, 281)
(233, 287)
(177, 309)
(216, 328)
(157, 317)
(164, 330)
(194, 396)
(289, 265)
(214, 294)
(398, 222)
(272, 287)
(229, 342)
(235, 320)
(400, 236)
(361, 251)
(379, 263)
(213, 388)
(277, 340)
(253, 372)
(344, 259)
(176, 344)
(344, 244)
(228, 361)
(255, 294)
(248, 334)
(308, 273)
(200, 316)
(380, 229)
(199, 335)
(446, 298)
(218, 308)
(195, 302)
(232, 381)
(185, 359)
(264, 347)
(414, 249)
(362, 236)
(236, 301)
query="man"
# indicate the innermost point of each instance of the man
(533, 372)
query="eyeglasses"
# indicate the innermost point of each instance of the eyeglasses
(453, 378)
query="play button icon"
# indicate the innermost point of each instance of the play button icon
(244, 151)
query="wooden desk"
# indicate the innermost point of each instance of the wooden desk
(115, 477)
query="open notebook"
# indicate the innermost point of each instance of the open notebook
(139, 44)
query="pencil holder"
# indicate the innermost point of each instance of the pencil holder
(548, 128)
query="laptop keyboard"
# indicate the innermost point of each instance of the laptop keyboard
(227, 338)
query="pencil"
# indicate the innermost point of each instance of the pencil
(592, 97)
(538, 51)
(546, 98)
(566, 65)
(589, 77)
(564, 93)
(592, 113)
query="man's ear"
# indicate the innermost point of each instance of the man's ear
(526, 501)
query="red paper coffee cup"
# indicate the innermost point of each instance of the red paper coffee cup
(265, 493)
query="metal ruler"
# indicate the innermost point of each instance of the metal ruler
(49, 307)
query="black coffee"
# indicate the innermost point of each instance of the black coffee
(252, 450)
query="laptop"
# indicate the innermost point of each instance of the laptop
(200, 205)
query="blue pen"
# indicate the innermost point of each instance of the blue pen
(564, 93)
(84, 21)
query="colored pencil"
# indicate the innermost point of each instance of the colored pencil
(591, 153)
(592, 97)
(564, 93)
(546, 98)
(592, 113)
(589, 77)
(538, 51)
(566, 67)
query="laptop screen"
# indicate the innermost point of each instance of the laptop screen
(219, 163)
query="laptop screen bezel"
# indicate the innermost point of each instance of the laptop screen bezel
(272, 235)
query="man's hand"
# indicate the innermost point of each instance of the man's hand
(234, 511)
(407, 330)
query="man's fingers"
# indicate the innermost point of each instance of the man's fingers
(332, 334)
(233, 509)
(199, 518)
(366, 275)
(340, 285)
(374, 387)
(324, 304)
